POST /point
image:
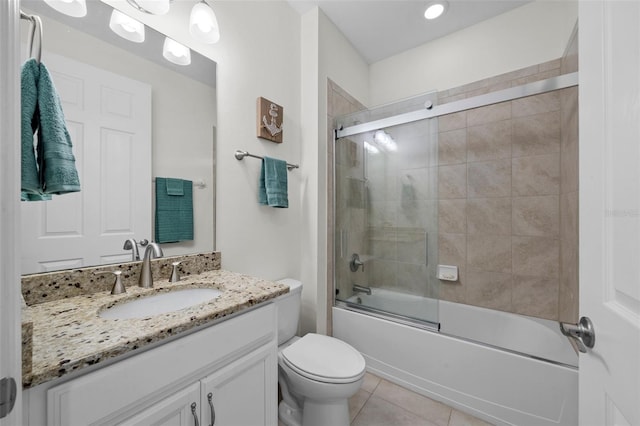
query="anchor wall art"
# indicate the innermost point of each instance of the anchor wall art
(270, 118)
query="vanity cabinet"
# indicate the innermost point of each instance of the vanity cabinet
(233, 395)
(174, 410)
(235, 361)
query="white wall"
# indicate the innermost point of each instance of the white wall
(310, 98)
(531, 34)
(326, 53)
(258, 55)
(181, 136)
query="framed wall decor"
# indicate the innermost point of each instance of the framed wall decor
(270, 118)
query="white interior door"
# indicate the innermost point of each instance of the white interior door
(610, 210)
(109, 119)
(10, 306)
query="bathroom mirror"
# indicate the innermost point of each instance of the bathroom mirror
(172, 106)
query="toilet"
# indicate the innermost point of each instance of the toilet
(317, 374)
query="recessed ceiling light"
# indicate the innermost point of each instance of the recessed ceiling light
(435, 10)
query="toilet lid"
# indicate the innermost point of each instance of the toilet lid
(325, 359)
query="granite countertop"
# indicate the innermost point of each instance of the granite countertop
(68, 334)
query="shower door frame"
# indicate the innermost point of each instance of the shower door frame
(530, 89)
(543, 86)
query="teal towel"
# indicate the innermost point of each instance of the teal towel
(175, 186)
(48, 167)
(29, 124)
(273, 183)
(59, 175)
(174, 213)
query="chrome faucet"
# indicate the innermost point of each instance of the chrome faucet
(146, 277)
(132, 245)
(118, 287)
(362, 289)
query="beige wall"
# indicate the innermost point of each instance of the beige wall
(528, 35)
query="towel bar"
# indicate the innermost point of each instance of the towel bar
(200, 183)
(241, 154)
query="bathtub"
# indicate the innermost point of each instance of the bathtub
(505, 368)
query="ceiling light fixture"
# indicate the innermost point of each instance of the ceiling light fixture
(176, 52)
(75, 8)
(203, 23)
(126, 27)
(385, 140)
(153, 7)
(435, 10)
(370, 148)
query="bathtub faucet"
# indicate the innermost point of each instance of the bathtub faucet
(362, 289)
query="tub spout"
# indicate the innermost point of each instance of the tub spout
(362, 289)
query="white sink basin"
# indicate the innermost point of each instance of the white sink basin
(160, 303)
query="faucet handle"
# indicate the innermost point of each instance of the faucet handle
(175, 273)
(355, 263)
(118, 287)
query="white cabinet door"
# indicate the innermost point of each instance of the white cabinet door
(610, 211)
(243, 392)
(179, 409)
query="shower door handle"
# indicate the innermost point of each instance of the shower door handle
(426, 249)
(582, 333)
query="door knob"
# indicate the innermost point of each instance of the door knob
(583, 333)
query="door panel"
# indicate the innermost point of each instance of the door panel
(610, 210)
(109, 120)
(10, 306)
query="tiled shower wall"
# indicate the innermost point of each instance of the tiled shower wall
(508, 198)
(507, 201)
(340, 103)
(568, 296)
(402, 216)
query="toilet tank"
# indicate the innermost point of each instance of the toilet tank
(288, 310)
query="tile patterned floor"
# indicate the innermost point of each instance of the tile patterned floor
(382, 403)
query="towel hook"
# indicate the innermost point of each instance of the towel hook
(35, 27)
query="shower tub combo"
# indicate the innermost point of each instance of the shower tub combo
(503, 367)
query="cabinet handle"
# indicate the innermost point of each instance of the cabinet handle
(213, 411)
(195, 416)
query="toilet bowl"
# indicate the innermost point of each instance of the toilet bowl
(317, 374)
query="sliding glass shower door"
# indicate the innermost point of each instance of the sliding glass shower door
(386, 220)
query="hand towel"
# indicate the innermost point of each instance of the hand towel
(273, 189)
(30, 122)
(48, 166)
(175, 186)
(174, 213)
(58, 163)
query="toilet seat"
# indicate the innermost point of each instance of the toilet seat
(324, 359)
